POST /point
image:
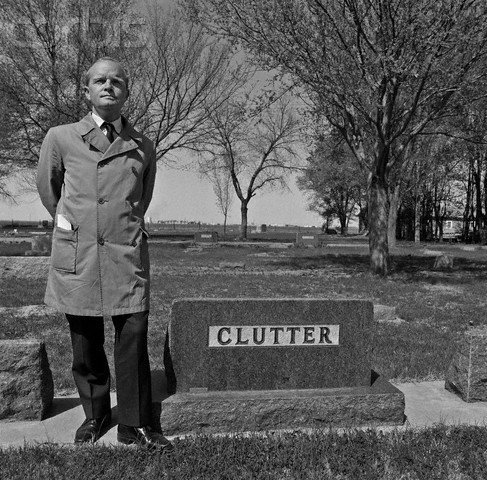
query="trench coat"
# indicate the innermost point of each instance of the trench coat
(97, 194)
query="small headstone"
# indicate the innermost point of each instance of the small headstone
(432, 253)
(206, 237)
(443, 262)
(259, 364)
(41, 245)
(469, 248)
(306, 239)
(26, 385)
(467, 373)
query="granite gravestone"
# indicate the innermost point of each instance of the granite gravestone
(266, 364)
(206, 237)
(26, 384)
(41, 245)
(307, 239)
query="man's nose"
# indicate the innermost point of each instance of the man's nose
(108, 85)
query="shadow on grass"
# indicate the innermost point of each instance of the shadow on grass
(416, 267)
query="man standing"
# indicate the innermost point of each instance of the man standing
(96, 178)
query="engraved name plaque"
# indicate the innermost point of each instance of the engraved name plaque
(273, 335)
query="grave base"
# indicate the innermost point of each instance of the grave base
(380, 404)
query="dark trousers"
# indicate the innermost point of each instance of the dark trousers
(132, 370)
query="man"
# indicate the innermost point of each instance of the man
(96, 178)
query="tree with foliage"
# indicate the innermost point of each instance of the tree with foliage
(379, 71)
(255, 143)
(334, 179)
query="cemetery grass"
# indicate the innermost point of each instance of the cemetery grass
(437, 453)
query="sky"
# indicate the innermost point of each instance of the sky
(184, 195)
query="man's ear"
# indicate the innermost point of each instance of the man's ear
(87, 93)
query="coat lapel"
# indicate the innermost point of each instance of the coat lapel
(92, 135)
(122, 144)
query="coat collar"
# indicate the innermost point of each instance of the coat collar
(129, 138)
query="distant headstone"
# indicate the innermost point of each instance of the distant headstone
(307, 239)
(467, 373)
(206, 237)
(41, 245)
(443, 262)
(26, 385)
(260, 364)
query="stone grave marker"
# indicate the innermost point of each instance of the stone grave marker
(41, 245)
(307, 239)
(467, 373)
(266, 364)
(206, 237)
(26, 384)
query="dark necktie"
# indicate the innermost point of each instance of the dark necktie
(110, 131)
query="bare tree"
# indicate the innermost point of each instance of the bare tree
(256, 144)
(221, 181)
(183, 75)
(178, 74)
(46, 46)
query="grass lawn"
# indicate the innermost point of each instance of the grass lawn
(432, 309)
(438, 453)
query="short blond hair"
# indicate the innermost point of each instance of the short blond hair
(105, 59)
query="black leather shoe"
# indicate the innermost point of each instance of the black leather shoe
(144, 436)
(92, 428)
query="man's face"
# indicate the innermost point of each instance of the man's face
(107, 89)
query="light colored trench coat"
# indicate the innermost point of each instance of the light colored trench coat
(99, 264)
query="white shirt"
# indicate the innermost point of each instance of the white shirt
(117, 124)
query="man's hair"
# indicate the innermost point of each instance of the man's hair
(105, 59)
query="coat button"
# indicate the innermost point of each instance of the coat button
(101, 241)
(102, 200)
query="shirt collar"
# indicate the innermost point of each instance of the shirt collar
(117, 124)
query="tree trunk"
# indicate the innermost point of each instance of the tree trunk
(417, 219)
(378, 208)
(343, 224)
(243, 222)
(392, 219)
(478, 198)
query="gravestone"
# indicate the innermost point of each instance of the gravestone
(307, 239)
(467, 373)
(41, 245)
(443, 262)
(266, 364)
(26, 385)
(206, 237)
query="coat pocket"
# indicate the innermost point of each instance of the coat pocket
(64, 250)
(141, 252)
